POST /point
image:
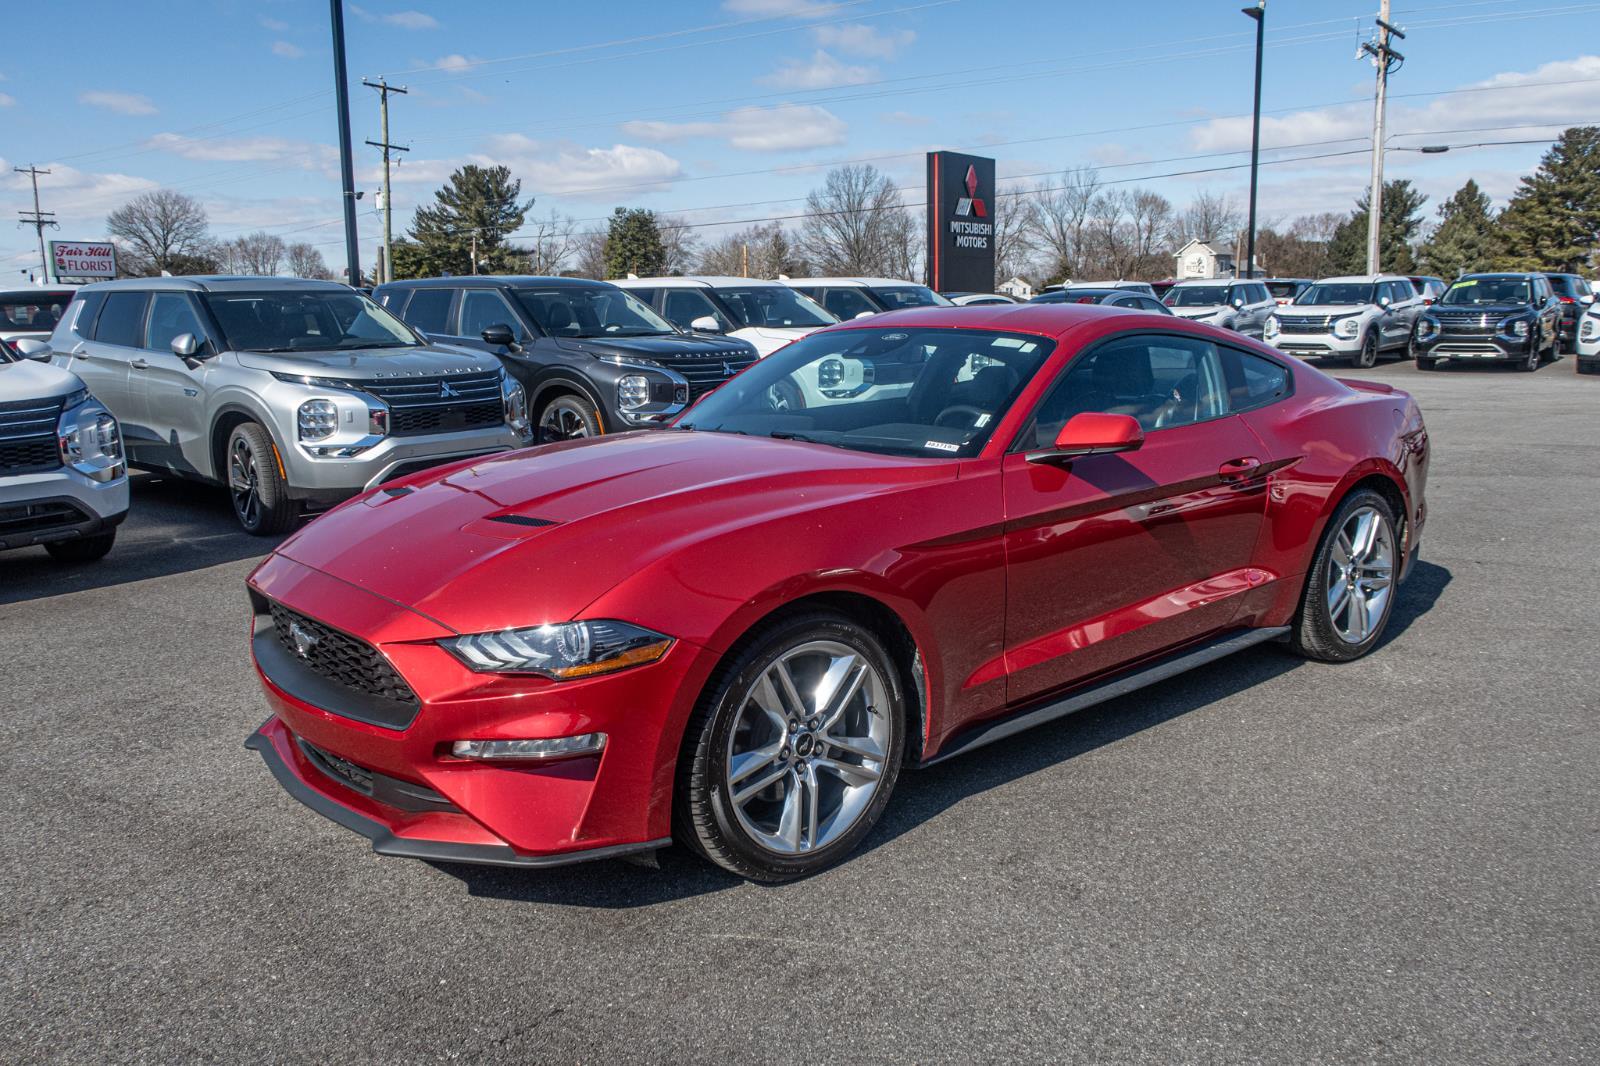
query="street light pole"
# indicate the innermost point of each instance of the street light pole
(1259, 14)
(347, 175)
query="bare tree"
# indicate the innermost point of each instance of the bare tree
(553, 243)
(1150, 223)
(679, 241)
(157, 229)
(306, 262)
(1211, 217)
(1015, 239)
(1061, 215)
(855, 224)
(259, 253)
(589, 258)
(757, 252)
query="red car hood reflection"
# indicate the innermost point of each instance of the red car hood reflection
(536, 536)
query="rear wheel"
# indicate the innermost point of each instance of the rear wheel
(568, 417)
(260, 494)
(82, 550)
(1349, 592)
(796, 745)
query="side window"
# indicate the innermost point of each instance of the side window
(122, 320)
(1163, 381)
(482, 308)
(683, 306)
(846, 303)
(647, 296)
(1252, 380)
(171, 314)
(429, 310)
(1262, 296)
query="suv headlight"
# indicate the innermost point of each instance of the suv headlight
(561, 651)
(1426, 328)
(1346, 328)
(90, 439)
(318, 419)
(515, 399)
(1271, 328)
(1588, 330)
(633, 391)
(1518, 328)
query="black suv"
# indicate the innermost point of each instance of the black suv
(1504, 318)
(1575, 295)
(592, 358)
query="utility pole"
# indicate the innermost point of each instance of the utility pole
(384, 89)
(38, 219)
(341, 92)
(1259, 13)
(474, 252)
(1386, 59)
(744, 260)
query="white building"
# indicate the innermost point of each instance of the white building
(1015, 287)
(1197, 259)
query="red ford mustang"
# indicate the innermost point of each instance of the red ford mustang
(889, 543)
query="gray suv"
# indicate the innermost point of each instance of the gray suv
(294, 394)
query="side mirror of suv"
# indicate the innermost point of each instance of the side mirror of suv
(705, 324)
(1238, 302)
(1384, 301)
(184, 345)
(31, 348)
(1586, 299)
(500, 336)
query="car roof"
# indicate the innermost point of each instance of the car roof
(705, 281)
(862, 282)
(1517, 274)
(1361, 279)
(218, 283)
(1093, 290)
(1043, 319)
(48, 290)
(490, 281)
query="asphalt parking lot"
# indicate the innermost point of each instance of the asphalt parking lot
(1264, 861)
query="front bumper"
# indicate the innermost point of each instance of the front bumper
(58, 505)
(1477, 349)
(506, 813)
(331, 479)
(1313, 345)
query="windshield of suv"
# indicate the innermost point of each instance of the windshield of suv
(1486, 292)
(897, 297)
(1345, 292)
(1566, 285)
(591, 311)
(1197, 296)
(774, 306)
(305, 320)
(937, 393)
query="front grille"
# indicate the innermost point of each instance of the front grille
(706, 370)
(1467, 323)
(1304, 323)
(28, 436)
(31, 518)
(442, 404)
(339, 657)
(392, 791)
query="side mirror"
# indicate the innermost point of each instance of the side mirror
(1238, 302)
(706, 324)
(1586, 299)
(32, 348)
(865, 314)
(1384, 301)
(184, 345)
(1092, 433)
(500, 336)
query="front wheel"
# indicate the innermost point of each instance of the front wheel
(569, 417)
(260, 494)
(82, 550)
(1349, 592)
(1368, 356)
(796, 745)
(1535, 357)
(1425, 363)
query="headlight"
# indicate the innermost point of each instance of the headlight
(1346, 328)
(633, 391)
(90, 440)
(1426, 328)
(829, 373)
(1589, 329)
(1271, 328)
(319, 419)
(561, 651)
(515, 398)
(1519, 328)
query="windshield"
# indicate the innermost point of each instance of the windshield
(316, 320)
(936, 393)
(1348, 292)
(591, 311)
(32, 312)
(774, 307)
(1197, 296)
(896, 297)
(1487, 292)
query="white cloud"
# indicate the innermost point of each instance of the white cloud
(7, 100)
(778, 8)
(287, 50)
(455, 63)
(275, 25)
(121, 103)
(412, 20)
(785, 127)
(81, 198)
(858, 39)
(578, 172)
(245, 149)
(904, 118)
(821, 71)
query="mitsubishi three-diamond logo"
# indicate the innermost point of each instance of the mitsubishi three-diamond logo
(971, 205)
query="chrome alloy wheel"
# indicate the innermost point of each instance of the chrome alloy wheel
(1360, 575)
(808, 747)
(560, 422)
(244, 482)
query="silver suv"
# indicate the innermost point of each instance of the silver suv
(293, 393)
(1239, 305)
(1352, 318)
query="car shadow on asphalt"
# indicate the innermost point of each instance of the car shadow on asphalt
(173, 526)
(922, 795)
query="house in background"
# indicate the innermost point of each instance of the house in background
(1015, 287)
(1197, 259)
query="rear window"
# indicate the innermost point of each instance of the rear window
(122, 320)
(1566, 285)
(33, 312)
(429, 310)
(1284, 290)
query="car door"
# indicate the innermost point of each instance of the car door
(429, 310)
(682, 306)
(1408, 303)
(1261, 305)
(1121, 556)
(166, 392)
(476, 311)
(102, 360)
(847, 302)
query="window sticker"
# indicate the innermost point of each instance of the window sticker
(1006, 342)
(941, 446)
(983, 420)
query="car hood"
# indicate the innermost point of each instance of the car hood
(1331, 310)
(1198, 312)
(1497, 310)
(367, 363)
(662, 347)
(768, 339)
(33, 380)
(535, 536)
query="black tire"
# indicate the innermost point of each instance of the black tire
(1313, 633)
(256, 486)
(567, 417)
(1425, 363)
(1534, 360)
(702, 810)
(82, 550)
(785, 395)
(1367, 358)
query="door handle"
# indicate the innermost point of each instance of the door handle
(1239, 469)
(139, 364)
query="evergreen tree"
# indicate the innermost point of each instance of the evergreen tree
(1553, 220)
(1402, 204)
(474, 213)
(634, 245)
(1464, 241)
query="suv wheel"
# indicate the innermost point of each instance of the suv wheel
(794, 749)
(82, 550)
(260, 494)
(1535, 357)
(1349, 592)
(567, 417)
(1368, 356)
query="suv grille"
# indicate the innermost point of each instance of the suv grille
(1304, 323)
(339, 657)
(1468, 323)
(706, 370)
(28, 436)
(443, 404)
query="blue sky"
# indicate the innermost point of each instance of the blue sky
(724, 110)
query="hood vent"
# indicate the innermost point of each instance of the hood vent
(522, 520)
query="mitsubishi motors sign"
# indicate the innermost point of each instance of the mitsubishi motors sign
(82, 259)
(961, 211)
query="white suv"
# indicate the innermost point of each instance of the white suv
(767, 314)
(1353, 318)
(847, 298)
(1242, 306)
